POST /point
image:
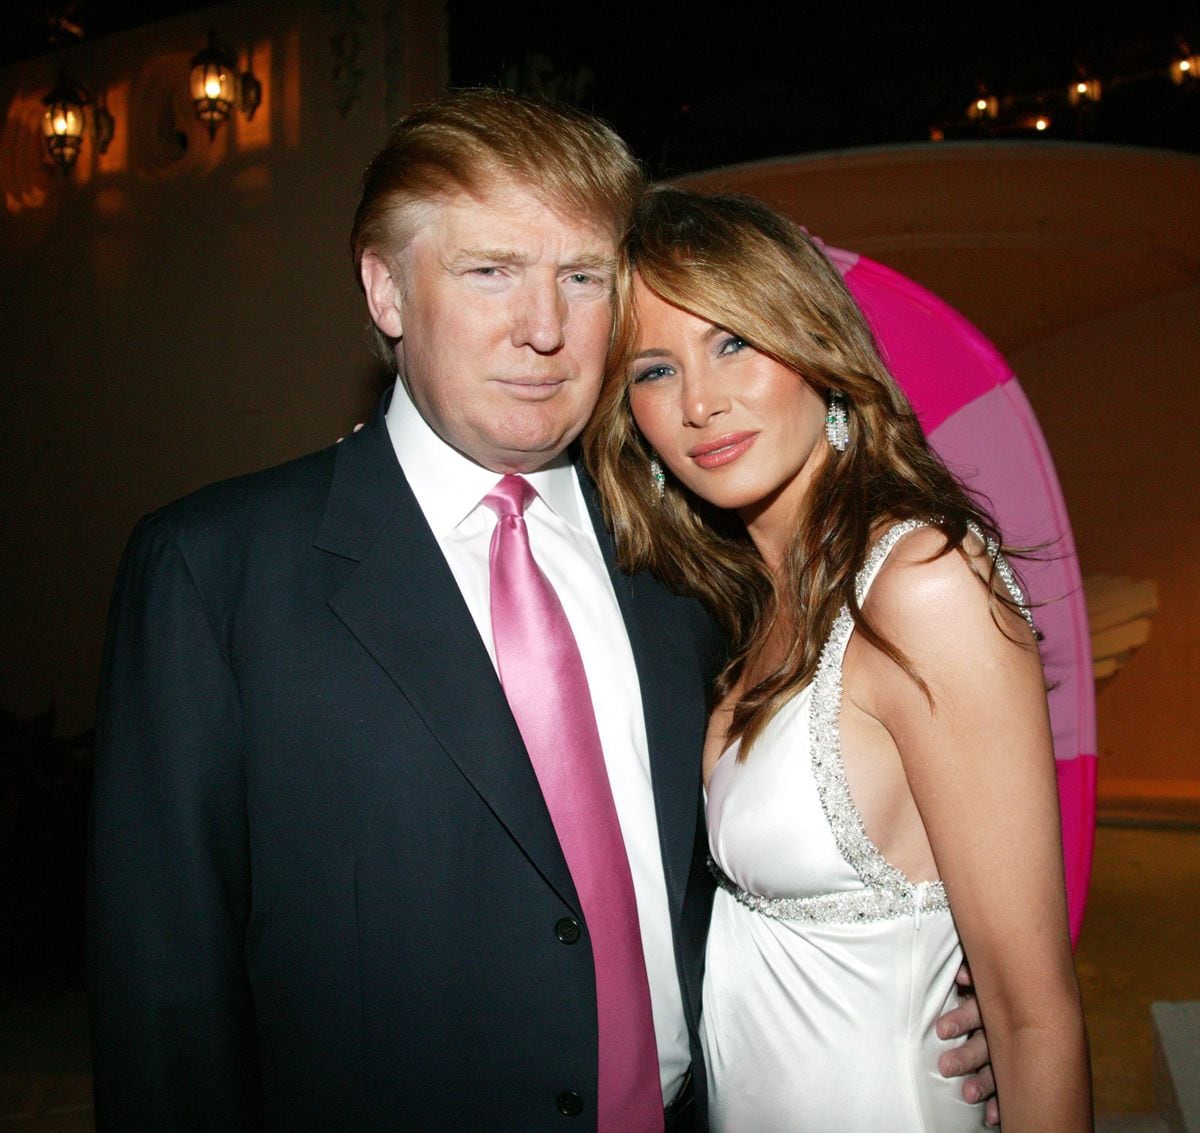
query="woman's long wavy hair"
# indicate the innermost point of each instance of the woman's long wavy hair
(734, 262)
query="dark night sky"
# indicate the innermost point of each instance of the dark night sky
(761, 78)
(758, 78)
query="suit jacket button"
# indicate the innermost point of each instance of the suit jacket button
(567, 930)
(570, 1104)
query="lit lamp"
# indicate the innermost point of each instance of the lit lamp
(1185, 69)
(213, 83)
(65, 118)
(985, 106)
(1083, 91)
(216, 87)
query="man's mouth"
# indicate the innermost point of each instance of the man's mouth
(531, 388)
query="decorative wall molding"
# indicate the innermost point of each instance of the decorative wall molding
(346, 43)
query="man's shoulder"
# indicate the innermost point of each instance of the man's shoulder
(265, 496)
(218, 529)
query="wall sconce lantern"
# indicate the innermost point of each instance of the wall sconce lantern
(1185, 69)
(216, 87)
(983, 108)
(65, 119)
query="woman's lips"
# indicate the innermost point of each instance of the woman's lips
(721, 450)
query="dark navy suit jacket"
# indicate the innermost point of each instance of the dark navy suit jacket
(325, 885)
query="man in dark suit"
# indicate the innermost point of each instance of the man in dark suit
(331, 889)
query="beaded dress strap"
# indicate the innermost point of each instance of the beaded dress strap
(1007, 575)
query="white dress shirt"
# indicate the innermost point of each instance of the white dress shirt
(449, 489)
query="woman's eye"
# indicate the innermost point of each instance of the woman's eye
(732, 345)
(652, 373)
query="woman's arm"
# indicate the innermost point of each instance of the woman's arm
(980, 765)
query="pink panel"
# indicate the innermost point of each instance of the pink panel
(939, 358)
(1077, 801)
(994, 446)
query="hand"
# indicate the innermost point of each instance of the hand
(969, 1058)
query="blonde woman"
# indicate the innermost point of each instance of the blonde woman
(879, 773)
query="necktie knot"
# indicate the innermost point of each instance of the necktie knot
(511, 496)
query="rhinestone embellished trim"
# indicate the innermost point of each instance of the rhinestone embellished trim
(854, 906)
(895, 894)
(1006, 574)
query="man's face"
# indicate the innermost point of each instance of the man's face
(503, 311)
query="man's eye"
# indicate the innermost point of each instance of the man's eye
(587, 279)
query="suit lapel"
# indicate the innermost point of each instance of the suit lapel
(404, 607)
(667, 678)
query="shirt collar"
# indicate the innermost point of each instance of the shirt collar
(449, 486)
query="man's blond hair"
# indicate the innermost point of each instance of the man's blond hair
(472, 140)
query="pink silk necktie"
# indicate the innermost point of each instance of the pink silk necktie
(546, 687)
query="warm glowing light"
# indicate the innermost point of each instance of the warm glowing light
(1186, 69)
(1084, 91)
(213, 83)
(986, 106)
(1042, 123)
(217, 85)
(62, 122)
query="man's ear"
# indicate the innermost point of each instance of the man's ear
(382, 289)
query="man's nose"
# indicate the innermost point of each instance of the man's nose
(541, 317)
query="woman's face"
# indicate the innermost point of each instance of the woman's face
(736, 427)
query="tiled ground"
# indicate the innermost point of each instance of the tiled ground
(1141, 942)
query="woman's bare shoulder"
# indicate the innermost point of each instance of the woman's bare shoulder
(924, 592)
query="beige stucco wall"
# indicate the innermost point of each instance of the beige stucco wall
(170, 317)
(1082, 263)
(1119, 400)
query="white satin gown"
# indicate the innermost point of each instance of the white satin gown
(826, 967)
